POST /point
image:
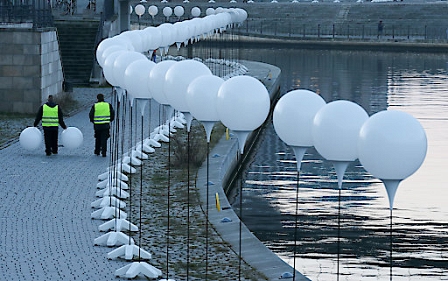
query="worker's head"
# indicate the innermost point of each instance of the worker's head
(50, 98)
(100, 97)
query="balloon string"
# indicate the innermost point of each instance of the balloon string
(168, 202)
(240, 223)
(296, 226)
(188, 205)
(206, 213)
(339, 232)
(391, 242)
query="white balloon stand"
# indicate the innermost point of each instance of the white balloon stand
(138, 268)
(152, 142)
(115, 174)
(106, 213)
(117, 225)
(112, 191)
(108, 201)
(113, 182)
(128, 252)
(113, 238)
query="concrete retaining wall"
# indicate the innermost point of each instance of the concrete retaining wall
(30, 68)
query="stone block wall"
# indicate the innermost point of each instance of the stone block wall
(30, 68)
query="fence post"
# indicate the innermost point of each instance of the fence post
(348, 31)
(303, 34)
(289, 28)
(425, 33)
(363, 31)
(333, 31)
(318, 30)
(275, 28)
(261, 27)
(408, 32)
(393, 32)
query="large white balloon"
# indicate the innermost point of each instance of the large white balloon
(243, 103)
(122, 62)
(30, 138)
(136, 78)
(157, 80)
(71, 138)
(108, 68)
(336, 130)
(293, 117)
(152, 38)
(167, 12)
(392, 145)
(177, 79)
(109, 42)
(201, 97)
(179, 11)
(153, 10)
(195, 12)
(140, 10)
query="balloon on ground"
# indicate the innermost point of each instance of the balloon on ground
(71, 138)
(30, 138)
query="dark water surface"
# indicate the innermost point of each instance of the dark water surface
(414, 83)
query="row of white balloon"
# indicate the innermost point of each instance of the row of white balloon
(161, 37)
(391, 145)
(178, 11)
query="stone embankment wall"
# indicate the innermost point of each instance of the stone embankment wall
(30, 68)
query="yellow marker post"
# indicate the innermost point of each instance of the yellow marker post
(227, 134)
(218, 205)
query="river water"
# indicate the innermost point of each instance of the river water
(414, 83)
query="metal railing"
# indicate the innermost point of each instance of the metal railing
(36, 13)
(360, 32)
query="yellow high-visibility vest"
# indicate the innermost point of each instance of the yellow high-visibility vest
(50, 116)
(102, 113)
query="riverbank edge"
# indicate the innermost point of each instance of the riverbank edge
(330, 44)
(224, 161)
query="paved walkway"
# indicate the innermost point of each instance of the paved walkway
(45, 216)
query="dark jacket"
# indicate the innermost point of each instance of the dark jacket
(60, 117)
(101, 126)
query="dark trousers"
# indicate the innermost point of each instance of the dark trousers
(51, 140)
(101, 137)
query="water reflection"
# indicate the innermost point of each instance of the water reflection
(415, 83)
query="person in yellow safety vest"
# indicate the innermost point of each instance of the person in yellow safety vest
(101, 114)
(51, 115)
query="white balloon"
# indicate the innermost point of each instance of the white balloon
(179, 11)
(336, 129)
(135, 37)
(122, 62)
(201, 97)
(195, 12)
(293, 117)
(108, 68)
(167, 12)
(136, 78)
(243, 103)
(392, 145)
(210, 11)
(71, 138)
(152, 38)
(177, 79)
(30, 138)
(140, 10)
(167, 32)
(157, 80)
(153, 10)
(111, 42)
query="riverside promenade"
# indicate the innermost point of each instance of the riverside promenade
(46, 228)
